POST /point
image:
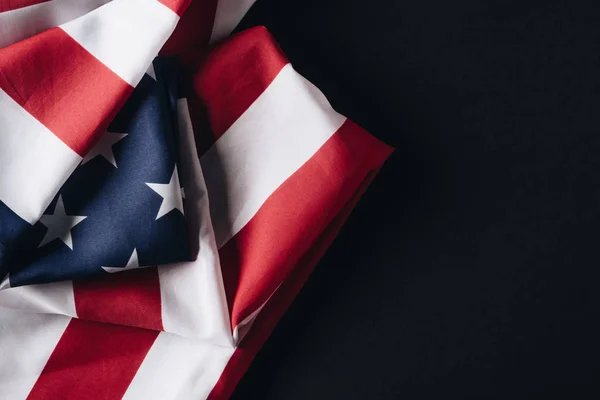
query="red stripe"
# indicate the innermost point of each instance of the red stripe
(129, 298)
(281, 300)
(93, 361)
(235, 74)
(63, 86)
(259, 257)
(193, 30)
(7, 5)
(178, 6)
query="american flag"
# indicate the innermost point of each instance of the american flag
(156, 221)
(122, 207)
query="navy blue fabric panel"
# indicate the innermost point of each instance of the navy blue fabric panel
(12, 227)
(120, 208)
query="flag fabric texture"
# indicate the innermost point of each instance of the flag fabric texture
(157, 214)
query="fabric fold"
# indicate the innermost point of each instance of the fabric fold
(286, 160)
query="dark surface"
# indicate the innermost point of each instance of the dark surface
(470, 265)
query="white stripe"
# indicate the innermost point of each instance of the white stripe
(50, 298)
(229, 13)
(34, 163)
(192, 294)
(19, 24)
(125, 35)
(178, 368)
(26, 342)
(277, 134)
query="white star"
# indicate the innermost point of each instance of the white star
(59, 225)
(133, 263)
(151, 72)
(171, 194)
(104, 148)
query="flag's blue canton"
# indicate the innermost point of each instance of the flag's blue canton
(122, 211)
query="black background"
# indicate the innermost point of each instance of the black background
(469, 268)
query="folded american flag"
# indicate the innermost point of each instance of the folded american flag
(265, 191)
(123, 205)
